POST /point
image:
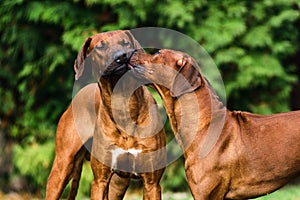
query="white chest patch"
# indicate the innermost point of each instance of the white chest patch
(115, 153)
(134, 152)
(118, 151)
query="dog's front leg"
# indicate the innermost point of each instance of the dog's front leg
(206, 185)
(100, 164)
(152, 189)
(102, 175)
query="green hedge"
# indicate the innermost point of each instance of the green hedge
(253, 43)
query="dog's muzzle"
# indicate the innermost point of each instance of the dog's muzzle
(119, 65)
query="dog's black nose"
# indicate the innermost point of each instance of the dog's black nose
(122, 56)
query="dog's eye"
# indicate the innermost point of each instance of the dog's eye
(103, 46)
(124, 43)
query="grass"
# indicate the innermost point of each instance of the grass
(167, 196)
(289, 192)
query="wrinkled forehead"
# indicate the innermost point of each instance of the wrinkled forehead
(173, 53)
(170, 56)
(109, 36)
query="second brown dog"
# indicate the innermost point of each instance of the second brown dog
(253, 155)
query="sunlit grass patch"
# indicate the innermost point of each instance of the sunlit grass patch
(290, 192)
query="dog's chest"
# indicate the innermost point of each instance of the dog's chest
(125, 160)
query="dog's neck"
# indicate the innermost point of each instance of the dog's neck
(129, 105)
(194, 114)
(119, 99)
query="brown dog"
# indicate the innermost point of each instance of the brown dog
(129, 138)
(76, 126)
(71, 148)
(253, 155)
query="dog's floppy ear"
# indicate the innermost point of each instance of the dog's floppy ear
(187, 79)
(134, 42)
(79, 62)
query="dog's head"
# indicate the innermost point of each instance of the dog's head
(108, 52)
(172, 69)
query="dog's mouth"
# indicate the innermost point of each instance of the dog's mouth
(137, 69)
(114, 71)
(135, 66)
(132, 67)
(118, 69)
(132, 62)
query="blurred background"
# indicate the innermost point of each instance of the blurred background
(255, 45)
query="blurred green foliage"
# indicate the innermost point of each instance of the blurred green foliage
(254, 44)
